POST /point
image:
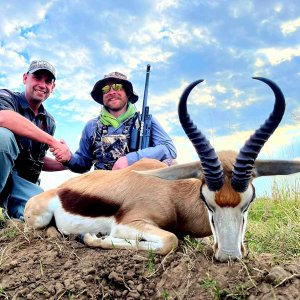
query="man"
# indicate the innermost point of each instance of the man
(106, 141)
(26, 132)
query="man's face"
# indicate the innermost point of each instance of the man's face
(38, 86)
(114, 100)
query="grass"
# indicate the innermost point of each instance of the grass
(166, 294)
(193, 243)
(213, 287)
(273, 224)
(151, 261)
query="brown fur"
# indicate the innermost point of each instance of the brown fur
(173, 205)
(227, 196)
(87, 205)
(36, 207)
(146, 204)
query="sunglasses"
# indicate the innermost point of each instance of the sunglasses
(115, 86)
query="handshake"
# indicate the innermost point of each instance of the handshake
(61, 151)
(63, 155)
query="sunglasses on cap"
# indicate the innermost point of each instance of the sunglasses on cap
(115, 86)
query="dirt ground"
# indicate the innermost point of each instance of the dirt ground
(33, 266)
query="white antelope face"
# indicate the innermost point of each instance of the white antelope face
(228, 220)
(227, 190)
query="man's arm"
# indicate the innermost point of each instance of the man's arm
(23, 127)
(50, 164)
(162, 146)
(82, 160)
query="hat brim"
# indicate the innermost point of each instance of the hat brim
(97, 94)
(39, 69)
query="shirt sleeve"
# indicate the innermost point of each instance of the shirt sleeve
(162, 146)
(6, 101)
(82, 160)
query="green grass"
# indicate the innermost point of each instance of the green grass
(151, 261)
(193, 243)
(213, 287)
(274, 224)
(166, 294)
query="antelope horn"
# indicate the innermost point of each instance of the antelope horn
(242, 170)
(211, 165)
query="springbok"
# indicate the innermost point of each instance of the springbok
(145, 206)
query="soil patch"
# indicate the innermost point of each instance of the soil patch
(33, 266)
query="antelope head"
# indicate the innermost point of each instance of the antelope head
(228, 191)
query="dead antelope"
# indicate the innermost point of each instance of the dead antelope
(137, 209)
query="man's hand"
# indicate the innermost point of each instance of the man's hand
(61, 151)
(121, 163)
(51, 164)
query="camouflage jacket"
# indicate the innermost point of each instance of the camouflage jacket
(161, 146)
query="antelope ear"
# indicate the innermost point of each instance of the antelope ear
(182, 171)
(275, 167)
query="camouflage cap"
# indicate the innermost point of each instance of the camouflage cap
(37, 65)
(118, 77)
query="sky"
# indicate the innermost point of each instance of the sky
(225, 43)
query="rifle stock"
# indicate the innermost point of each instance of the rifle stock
(146, 130)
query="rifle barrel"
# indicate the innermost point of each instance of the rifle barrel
(146, 92)
(145, 111)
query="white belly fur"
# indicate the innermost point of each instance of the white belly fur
(68, 223)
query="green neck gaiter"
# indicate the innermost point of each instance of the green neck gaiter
(109, 120)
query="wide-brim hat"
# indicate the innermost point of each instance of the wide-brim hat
(116, 77)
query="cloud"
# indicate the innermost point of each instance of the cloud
(66, 89)
(284, 135)
(134, 57)
(35, 14)
(290, 26)
(185, 150)
(10, 62)
(168, 34)
(167, 120)
(201, 95)
(276, 56)
(239, 9)
(165, 4)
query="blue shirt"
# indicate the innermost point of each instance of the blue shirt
(162, 147)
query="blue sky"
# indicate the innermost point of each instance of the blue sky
(224, 42)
